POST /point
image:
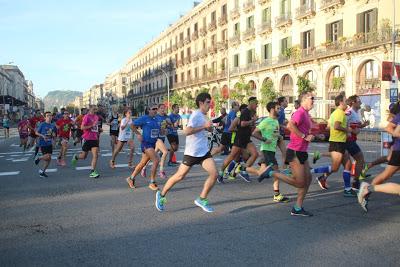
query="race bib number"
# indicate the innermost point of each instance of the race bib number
(95, 129)
(154, 133)
(128, 133)
(114, 125)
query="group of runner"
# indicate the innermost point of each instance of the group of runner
(240, 125)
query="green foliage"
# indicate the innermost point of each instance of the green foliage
(176, 98)
(241, 90)
(268, 92)
(189, 100)
(71, 109)
(204, 90)
(140, 107)
(219, 102)
(55, 109)
(304, 85)
(337, 83)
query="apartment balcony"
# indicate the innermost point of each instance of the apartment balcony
(283, 20)
(248, 6)
(195, 35)
(265, 28)
(203, 53)
(368, 86)
(222, 46)
(203, 32)
(307, 52)
(195, 57)
(223, 20)
(263, 2)
(235, 13)
(305, 11)
(180, 44)
(212, 26)
(331, 4)
(187, 40)
(179, 63)
(235, 40)
(249, 34)
(212, 49)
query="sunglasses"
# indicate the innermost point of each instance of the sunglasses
(154, 109)
(311, 97)
(207, 102)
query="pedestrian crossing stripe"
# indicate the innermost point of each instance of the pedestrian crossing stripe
(19, 160)
(9, 173)
(83, 168)
(51, 170)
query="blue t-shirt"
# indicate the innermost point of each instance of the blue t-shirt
(49, 130)
(231, 116)
(174, 118)
(281, 120)
(396, 141)
(160, 120)
(150, 128)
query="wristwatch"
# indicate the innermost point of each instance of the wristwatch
(303, 136)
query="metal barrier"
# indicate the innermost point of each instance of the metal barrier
(370, 142)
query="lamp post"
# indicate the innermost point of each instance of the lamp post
(166, 75)
(394, 86)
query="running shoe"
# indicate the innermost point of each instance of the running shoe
(74, 160)
(94, 174)
(220, 177)
(245, 176)
(316, 156)
(281, 198)
(266, 174)
(37, 160)
(160, 201)
(349, 193)
(362, 197)
(364, 171)
(203, 204)
(112, 164)
(153, 186)
(131, 182)
(301, 212)
(143, 172)
(163, 175)
(63, 163)
(322, 182)
(42, 174)
(170, 164)
(59, 162)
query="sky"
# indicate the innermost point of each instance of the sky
(72, 45)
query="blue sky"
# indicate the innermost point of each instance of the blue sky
(72, 45)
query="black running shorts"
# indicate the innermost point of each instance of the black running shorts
(300, 155)
(191, 161)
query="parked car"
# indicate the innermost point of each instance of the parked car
(319, 127)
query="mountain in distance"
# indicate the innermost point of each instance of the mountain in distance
(59, 98)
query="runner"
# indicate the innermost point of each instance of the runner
(64, 126)
(297, 156)
(148, 139)
(337, 148)
(23, 130)
(46, 133)
(163, 121)
(90, 128)
(378, 183)
(125, 134)
(6, 126)
(268, 132)
(354, 122)
(196, 152)
(242, 141)
(227, 135)
(172, 135)
(114, 123)
(33, 123)
(78, 123)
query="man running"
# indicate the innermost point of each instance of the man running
(296, 154)
(337, 148)
(46, 133)
(242, 141)
(114, 122)
(172, 135)
(23, 130)
(64, 126)
(90, 128)
(268, 132)
(78, 123)
(227, 135)
(33, 123)
(148, 139)
(196, 152)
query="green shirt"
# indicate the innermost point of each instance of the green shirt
(269, 128)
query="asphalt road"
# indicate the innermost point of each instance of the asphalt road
(69, 219)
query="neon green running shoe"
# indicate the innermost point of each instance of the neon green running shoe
(363, 173)
(74, 160)
(281, 198)
(94, 174)
(316, 157)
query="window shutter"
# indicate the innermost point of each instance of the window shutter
(312, 38)
(263, 52)
(340, 28)
(302, 44)
(360, 22)
(269, 51)
(328, 30)
(374, 19)
(289, 8)
(289, 42)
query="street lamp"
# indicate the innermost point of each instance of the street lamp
(166, 75)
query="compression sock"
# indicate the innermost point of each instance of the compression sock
(322, 169)
(347, 179)
(231, 166)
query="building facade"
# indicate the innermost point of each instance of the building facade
(339, 45)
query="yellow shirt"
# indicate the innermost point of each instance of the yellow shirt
(336, 135)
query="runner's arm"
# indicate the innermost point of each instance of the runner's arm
(396, 132)
(257, 134)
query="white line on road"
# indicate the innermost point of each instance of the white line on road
(121, 165)
(9, 173)
(106, 155)
(84, 168)
(19, 160)
(14, 145)
(51, 170)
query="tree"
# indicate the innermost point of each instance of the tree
(268, 92)
(204, 90)
(55, 110)
(219, 102)
(337, 83)
(304, 85)
(71, 109)
(176, 98)
(189, 100)
(140, 107)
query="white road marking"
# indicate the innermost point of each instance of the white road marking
(7, 153)
(121, 165)
(84, 168)
(51, 170)
(19, 160)
(14, 145)
(9, 173)
(106, 155)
